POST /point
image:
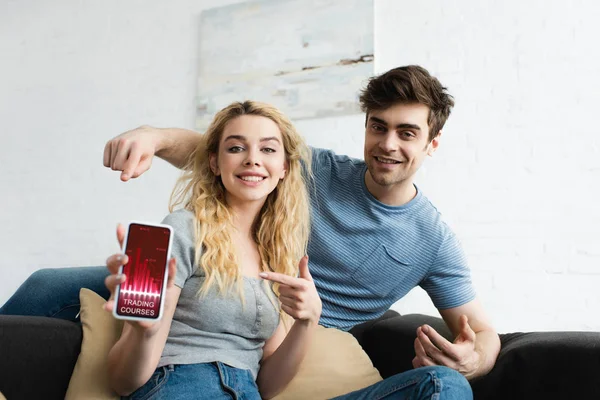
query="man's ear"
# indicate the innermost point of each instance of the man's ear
(433, 145)
(214, 165)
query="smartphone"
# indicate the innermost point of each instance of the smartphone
(142, 296)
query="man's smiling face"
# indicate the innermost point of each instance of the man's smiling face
(396, 143)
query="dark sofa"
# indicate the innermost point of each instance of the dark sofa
(37, 356)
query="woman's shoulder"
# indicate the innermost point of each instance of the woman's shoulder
(182, 222)
(179, 217)
(183, 249)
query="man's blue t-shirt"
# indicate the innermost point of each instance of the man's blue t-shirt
(365, 255)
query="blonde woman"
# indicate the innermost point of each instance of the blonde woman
(240, 237)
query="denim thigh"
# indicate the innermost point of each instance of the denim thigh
(54, 292)
(214, 381)
(426, 383)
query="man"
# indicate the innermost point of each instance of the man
(374, 235)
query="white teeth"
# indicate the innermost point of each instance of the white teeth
(251, 178)
(386, 160)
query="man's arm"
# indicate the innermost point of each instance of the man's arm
(474, 350)
(132, 151)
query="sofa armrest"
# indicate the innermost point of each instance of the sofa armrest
(37, 356)
(549, 365)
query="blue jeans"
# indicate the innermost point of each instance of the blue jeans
(214, 381)
(218, 381)
(54, 292)
(427, 383)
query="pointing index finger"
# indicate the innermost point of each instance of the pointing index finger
(132, 161)
(279, 278)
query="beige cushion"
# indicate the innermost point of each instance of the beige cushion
(2, 397)
(100, 333)
(334, 365)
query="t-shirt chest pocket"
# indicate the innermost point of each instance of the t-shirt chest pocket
(381, 272)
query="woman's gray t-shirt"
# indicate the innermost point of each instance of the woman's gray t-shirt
(215, 327)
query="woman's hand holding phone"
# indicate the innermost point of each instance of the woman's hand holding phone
(114, 263)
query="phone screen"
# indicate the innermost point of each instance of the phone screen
(141, 294)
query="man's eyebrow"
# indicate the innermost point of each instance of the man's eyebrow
(399, 126)
(408, 126)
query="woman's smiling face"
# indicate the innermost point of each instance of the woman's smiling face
(251, 159)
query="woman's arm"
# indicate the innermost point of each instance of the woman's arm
(133, 359)
(282, 354)
(282, 357)
(132, 152)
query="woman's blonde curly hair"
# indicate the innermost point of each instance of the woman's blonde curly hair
(282, 230)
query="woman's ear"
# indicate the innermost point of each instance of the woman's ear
(214, 165)
(286, 166)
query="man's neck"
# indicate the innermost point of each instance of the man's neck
(391, 195)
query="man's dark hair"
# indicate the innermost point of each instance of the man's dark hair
(409, 84)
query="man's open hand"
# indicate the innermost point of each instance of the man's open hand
(432, 349)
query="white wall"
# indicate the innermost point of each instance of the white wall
(72, 75)
(517, 174)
